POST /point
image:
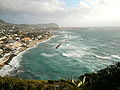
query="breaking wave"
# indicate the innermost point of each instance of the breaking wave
(74, 54)
(102, 57)
(48, 55)
(116, 56)
(12, 68)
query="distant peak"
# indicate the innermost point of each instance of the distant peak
(1, 21)
(53, 25)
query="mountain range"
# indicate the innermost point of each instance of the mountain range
(27, 27)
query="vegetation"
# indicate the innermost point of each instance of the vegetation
(106, 79)
(10, 83)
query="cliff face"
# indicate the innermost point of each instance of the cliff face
(106, 79)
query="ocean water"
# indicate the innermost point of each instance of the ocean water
(82, 51)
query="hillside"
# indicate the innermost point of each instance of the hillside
(105, 79)
(30, 28)
(1, 21)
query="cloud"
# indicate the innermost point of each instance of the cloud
(29, 6)
(30, 11)
(95, 13)
(85, 13)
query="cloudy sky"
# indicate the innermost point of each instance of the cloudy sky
(77, 13)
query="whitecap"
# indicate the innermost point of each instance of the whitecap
(102, 57)
(116, 56)
(20, 71)
(74, 54)
(48, 55)
(69, 46)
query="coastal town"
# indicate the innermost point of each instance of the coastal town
(17, 38)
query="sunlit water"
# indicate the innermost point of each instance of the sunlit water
(81, 51)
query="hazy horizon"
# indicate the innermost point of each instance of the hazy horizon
(65, 13)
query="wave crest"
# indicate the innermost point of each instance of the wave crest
(74, 54)
(48, 55)
(116, 56)
(102, 57)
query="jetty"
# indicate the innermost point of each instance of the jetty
(58, 45)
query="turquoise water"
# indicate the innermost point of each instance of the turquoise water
(85, 50)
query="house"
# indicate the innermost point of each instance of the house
(17, 38)
(1, 42)
(26, 39)
(11, 41)
(1, 51)
(14, 45)
(39, 37)
(3, 38)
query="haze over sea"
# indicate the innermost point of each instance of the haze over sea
(85, 50)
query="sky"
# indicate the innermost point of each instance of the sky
(65, 13)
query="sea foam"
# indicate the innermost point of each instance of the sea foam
(74, 54)
(116, 56)
(11, 69)
(102, 57)
(48, 55)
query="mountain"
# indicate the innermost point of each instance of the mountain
(27, 27)
(1, 21)
(49, 25)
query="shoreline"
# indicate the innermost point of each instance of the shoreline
(8, 58)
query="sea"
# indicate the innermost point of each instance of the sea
(81, 51)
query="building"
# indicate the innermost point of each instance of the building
(1, 51)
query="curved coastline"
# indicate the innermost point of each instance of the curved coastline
(12, 67)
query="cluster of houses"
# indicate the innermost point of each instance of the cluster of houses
(15, 38)
(11, 42)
